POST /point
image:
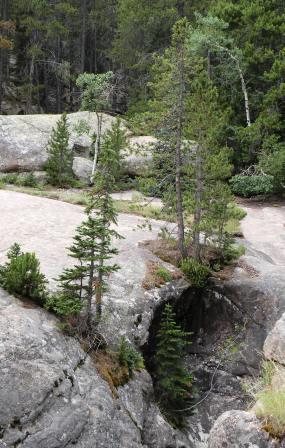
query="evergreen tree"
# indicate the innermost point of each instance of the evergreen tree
(21, 275)
(92, 245)
(170, 84)
(60, 157)
(172, 381)
(207, 196)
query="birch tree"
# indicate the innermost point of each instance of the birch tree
(96, 97)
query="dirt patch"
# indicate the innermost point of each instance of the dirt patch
(157, 275)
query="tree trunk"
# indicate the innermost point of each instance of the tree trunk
(4, 15)
(97, 145)
(198, 208)
(90, 293)
(209, 65)
(83, 35)
(178, 158)
(245, 94)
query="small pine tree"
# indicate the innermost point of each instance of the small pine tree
(60, 156)
(173, 383)
(21, 275)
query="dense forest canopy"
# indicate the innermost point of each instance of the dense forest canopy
(46, 44)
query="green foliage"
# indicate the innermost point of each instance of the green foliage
(129, 357)
(29, 180)
(164, 274)
(248, 186)
(97, 91)
(272, 161)
(10, 179)
(231, 251)
(60, 157)
(92, 244)
(21, 275)
(196, 272)
(63, 305)
(114, 142)
(172, 382)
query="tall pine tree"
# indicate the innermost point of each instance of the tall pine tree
(92, 245)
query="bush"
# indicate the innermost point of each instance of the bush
(63, 305)
(196, 272)
(248, 186)
(29, 180)
(10, 179)
(129, 357)
(21, 275)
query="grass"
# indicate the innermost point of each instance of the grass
(271, 409)
(233, 226)
(133, 207)
(268, 393)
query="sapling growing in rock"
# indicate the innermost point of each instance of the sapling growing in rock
(172, 381)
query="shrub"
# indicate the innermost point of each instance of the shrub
(10, 179)
(248, 186)
(196, 272)
(63, 305)
(129, 357)
(29, 180)
(21, 275)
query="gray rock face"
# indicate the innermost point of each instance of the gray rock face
(239, 429)
(138, 157)
(23, 141)
(23, 138)
(52, 396)
(274, 346)
(82, 168)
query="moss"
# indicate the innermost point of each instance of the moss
(110, 369)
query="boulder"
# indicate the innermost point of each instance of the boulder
(239, 429)
(138, 156)
(82, 168)
(23, 138)
(274, 346)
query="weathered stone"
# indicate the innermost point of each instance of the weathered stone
(239, 429)
(51, 394)
(82, 168)
(274, 346)
(23, 138)
(138, 157)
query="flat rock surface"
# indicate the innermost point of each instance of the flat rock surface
(46, 227)
(264, 229)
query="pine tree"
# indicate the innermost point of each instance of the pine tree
(59, 163)
(173, 383)
(92, 244)
(171, 73)
(207, 196)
